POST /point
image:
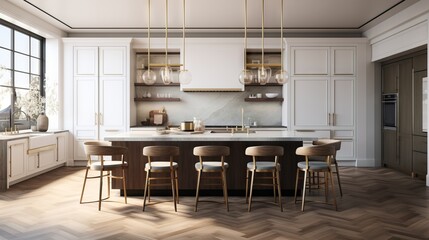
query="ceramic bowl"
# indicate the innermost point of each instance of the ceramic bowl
(271, 95)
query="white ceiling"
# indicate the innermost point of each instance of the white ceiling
(111, 16)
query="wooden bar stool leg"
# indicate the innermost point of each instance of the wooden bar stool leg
(108, 183)
(247, 186)
(274, 186)
(225, 189)
(296, 183)
(251, 191)
(279, 190)
(101, 190)
(173, 189)
(84, 184)
(124, 185)
(338, 178)
(198, 189)
(146, 188)
(333, 191)
(303, 191)
(326, 187)
(177, 185)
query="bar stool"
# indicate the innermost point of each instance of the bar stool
(101, 150)
(337, 145)
(154, 154)
(204, 152)
(264, 166)
(326, 151)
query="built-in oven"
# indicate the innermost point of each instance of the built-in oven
(390, 110)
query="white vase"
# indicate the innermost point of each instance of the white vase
(42, 123)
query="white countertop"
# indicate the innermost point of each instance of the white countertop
(207, 136)
(27, 134)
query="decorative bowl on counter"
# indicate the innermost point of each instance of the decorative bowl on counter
(271, 95)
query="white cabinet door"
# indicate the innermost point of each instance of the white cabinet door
(47, 158)
(86, 108)
(310, 61)
(310, 102)
(343, 61)
(85, 61)
(112, 105)
(112, 61)
(61, 151)
(342, 103)
(17, 157)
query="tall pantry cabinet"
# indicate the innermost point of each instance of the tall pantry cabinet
(101, 81)
(322, 90)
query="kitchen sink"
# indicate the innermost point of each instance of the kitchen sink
(230, 129)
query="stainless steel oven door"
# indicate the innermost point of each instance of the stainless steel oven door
(389, 105)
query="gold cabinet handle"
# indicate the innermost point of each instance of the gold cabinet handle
(10, 161)
(329, 119)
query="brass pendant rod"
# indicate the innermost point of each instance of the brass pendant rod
(281, 35)
(183, 34)
(245, 25)
(148, 37)
(263, 17)
(166, 33)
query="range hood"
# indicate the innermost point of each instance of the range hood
(215, 64)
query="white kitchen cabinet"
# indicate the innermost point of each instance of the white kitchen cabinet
(322, 90)
(62, 145)
(101, 90)
(16, 159)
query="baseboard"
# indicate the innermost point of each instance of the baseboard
(365, 163)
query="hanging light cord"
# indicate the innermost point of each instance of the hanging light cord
(263, 12)
(166, 33)
(148, 38)
(183, 35)
(281, 36)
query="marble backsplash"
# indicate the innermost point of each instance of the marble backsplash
(213, 108)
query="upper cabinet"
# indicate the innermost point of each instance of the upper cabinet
(215, 64)
(323, 61)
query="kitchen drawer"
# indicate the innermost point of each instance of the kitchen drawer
(420, 144)
(41, 141)
(341, 134)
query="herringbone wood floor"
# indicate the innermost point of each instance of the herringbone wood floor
(377, 204)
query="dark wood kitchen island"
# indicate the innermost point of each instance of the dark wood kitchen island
(236, 175)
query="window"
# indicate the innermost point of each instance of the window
(21, 76)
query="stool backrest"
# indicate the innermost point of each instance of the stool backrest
(211, 151)
(103, 151)
(161, 151)
(333, 142)
(326, 150)
(264, 151)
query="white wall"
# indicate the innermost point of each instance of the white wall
(404, 31)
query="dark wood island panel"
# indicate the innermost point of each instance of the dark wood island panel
(236, 175)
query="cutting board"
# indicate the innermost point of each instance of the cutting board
(158, 118)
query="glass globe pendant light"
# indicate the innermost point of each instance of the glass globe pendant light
(246, 76)
(185, 76)
(166, 72)
(264, 73)
(149, 76)
(281, 76)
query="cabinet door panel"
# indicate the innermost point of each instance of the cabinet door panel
(112, 105)
(310, 102)
(310, 61)
(17, 156)
(112, 61)
(390, 158)
(86, 105)
(61, 151)
(390, 75)
(343, 61)
(420, 164)
(47, 158)
(342, 106)
(347, 150)
(86, 61)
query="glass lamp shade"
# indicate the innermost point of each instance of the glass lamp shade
(166, 75)
(264, 75)
(185, 76)
(246, 77)
(282, 76)
(149, 77)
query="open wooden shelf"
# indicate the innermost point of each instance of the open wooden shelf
(151, 99)
(263, 99)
